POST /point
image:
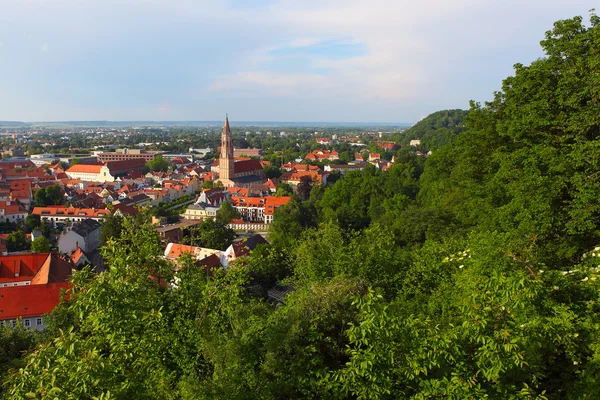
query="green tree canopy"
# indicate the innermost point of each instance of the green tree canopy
(159, 163)
(40, 245)
(17, 241)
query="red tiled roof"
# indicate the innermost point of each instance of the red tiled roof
(126, 164)
(29, 301)
(85, 168)
(63, 211)
(247, 166)
(22, 267)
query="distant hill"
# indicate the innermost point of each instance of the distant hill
(436, 130)
(13, 123)
(264, 124)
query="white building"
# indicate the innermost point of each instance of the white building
(84, 234)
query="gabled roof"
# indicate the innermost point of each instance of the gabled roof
(85, 168)
(22, 267)
(53, 270)
(247, 165)
(85, 227)
(29, 301)
(244, 247)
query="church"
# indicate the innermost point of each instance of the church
(240, 172)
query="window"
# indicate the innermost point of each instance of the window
(14, 323)
(27, 323)
(38, 321)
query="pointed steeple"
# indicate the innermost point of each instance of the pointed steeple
(226, 160)
(226, 125)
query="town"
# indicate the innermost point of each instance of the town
(63, 192)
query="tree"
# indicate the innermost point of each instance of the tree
(46, 228)
(40, 245)
(51, 195)
(207, 184)
(159, 163)
(111, 228)
(17, 241)
(284, 189)
(226, 213)
(213, 235)
(272, 171)
(13, 343)
(32, 222)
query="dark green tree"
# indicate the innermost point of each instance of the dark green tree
(226, 213)
(17, 241)
(40, 245)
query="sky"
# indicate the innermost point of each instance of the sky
(263, 60)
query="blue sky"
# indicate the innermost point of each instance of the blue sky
(288, 60)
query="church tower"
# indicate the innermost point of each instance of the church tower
(226, 160)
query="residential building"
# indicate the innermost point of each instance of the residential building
(84, 235)
(11, 211)
(258, 209)
(240, 249)
(62, 214)
(126, 154)
(200, 211)
(30, 304)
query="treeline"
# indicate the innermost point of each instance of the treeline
(471, 275)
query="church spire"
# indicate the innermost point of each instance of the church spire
(226, 125)
(226, 160)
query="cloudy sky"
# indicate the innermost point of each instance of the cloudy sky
(263, 60)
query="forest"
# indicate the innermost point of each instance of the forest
(470, 274)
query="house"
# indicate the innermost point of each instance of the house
(241, 249)
(258, 209)
(174, 232)
(321, 155)
(84, 235)
(107, 172)
(33, 269)
(29, 303)
(11, 211)
(62, 214)
(200, 211)
(207, 258)
(79, 258)
(344, 168)
(297, 177)
(323, 141)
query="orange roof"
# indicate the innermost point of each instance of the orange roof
(22, 267)
(85, 168)
(29, 301)
(62, 211)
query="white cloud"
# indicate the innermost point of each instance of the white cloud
(44, 46)
(1, 44)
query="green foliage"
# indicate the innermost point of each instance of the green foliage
(474, 275)
(13, 343)
(284, 189)
(212, 234)
(32, 222)
(435, 130)
(48, 196)
(272, 171)
(159, 163)
(111, 228)
(226, 213)
(17, 241)
(40, 245)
